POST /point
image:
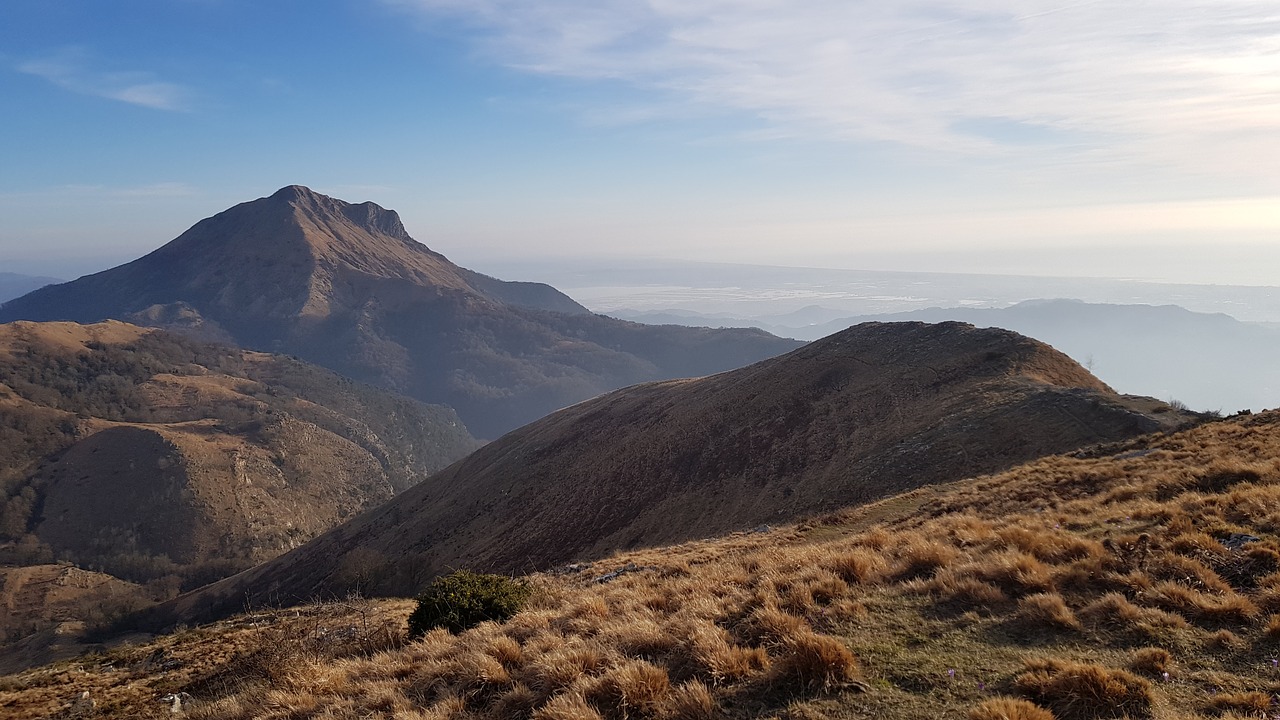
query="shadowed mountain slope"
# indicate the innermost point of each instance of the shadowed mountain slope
(344, 286)
(148, 456)
(874, 410)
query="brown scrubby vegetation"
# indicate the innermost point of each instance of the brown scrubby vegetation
(1112, 583)
(869, 412)
(173, 405)
(168, 463)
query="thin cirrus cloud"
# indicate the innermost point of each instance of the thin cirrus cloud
(71, 70)
(1094, 80)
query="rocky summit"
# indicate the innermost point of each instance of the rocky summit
(344, 286)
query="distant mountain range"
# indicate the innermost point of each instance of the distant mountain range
(1207, 360)
(868, 412)
(13, 285)
(344, 286)
(149, 456)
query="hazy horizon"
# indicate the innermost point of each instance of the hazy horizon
(1035, 138)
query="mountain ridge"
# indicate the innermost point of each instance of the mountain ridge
(871, 411)
(344, 286)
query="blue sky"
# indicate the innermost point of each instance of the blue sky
(1100, 138)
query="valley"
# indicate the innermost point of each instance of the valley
(162, 464)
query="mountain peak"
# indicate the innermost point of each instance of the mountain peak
(367, 215)
(343, 285)
(295, 192)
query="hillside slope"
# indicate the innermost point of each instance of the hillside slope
(874, 410)
(344, 286)
(1118, 342)
(149, 456)
(1138, 580)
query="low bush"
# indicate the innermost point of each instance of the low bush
(465, 599)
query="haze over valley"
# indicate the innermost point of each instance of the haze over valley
(567, 360)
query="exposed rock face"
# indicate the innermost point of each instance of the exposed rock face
(871, 411)
(344, 286)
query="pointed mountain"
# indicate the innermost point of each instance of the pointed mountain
(866, 413)
(344, 286)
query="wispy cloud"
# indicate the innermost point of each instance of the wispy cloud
(71, 69)
(1196, 80)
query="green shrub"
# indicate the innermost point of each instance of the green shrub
(465, 599)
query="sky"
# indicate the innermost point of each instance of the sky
(1123, 139)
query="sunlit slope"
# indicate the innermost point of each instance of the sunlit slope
(1138, 580)
(858, 416)
(146, 455)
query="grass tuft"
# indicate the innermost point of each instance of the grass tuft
(690, 701)
(810, 661)
(1114, 611)
(1009, 709)
(635, 687)
(1151, 661)
(1047, 610)
(1253, 703)
(1083, 691)
(1271, 631)
(861, 566)
(921, 558)
(567, 706)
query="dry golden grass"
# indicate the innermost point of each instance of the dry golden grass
(1253, 703)
(1151, 661)
(811, 661)
(1083, 691)
(1047, 610)
(569, 706)
(1072, 581)
(857, 565)
(691, 701)
(1009, 709)
(1207, 608)
(1115, 612)
(922, 557)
